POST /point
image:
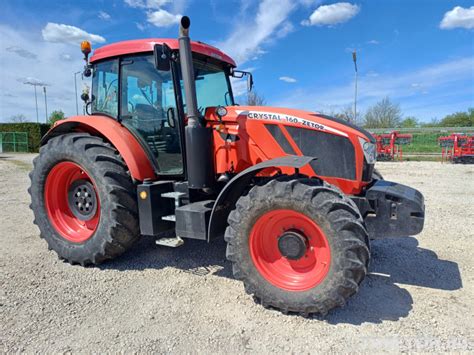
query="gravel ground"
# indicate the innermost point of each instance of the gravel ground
(417, 297)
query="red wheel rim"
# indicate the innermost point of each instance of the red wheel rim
(58, 183)
(292, 275)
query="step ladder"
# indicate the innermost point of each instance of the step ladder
(173, 242)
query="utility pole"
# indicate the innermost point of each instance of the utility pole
(75, 87)
(354, 58)
(45, 103)
(36, 96)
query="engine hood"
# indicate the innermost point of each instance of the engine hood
(300, 118)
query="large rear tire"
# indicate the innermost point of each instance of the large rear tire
(83, 199)
(298, 245)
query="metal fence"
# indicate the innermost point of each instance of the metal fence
(13, 142)
(425, 139)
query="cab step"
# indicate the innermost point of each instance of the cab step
(172, 242)
(170, 218)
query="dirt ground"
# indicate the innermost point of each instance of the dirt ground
(418, 296)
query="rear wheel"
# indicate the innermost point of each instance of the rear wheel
(297, 245)
(83, 199)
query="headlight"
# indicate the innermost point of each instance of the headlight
(369, 149)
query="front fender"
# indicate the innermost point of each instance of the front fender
(235, 187)
(120, 137)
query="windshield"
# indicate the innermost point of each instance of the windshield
(212, 86)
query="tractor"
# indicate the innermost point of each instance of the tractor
(390, 145)
(164, 151)
(457, 148)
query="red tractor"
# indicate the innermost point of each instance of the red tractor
(457, 148)
(165, 148)
(389, 145)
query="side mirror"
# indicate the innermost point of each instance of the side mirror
(239, 74)
(162, 57)
(249, 82)
(170, 117)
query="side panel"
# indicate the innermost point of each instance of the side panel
(120, 137)
(248, 135)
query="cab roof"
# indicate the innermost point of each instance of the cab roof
(147, 45)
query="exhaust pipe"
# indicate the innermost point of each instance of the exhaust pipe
(198, 137)
(187, 70)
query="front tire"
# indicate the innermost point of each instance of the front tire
(83, 199)
(297, 245)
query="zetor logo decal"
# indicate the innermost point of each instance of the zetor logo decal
(276, 117)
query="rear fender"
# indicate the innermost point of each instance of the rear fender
(120, 137)
(229, 195)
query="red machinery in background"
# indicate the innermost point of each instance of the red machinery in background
(389, 145)
(458, 148)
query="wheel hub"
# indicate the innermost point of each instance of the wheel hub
(292, 245)
(82, 200)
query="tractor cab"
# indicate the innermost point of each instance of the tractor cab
(147, 94)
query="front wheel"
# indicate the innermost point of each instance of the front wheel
(83, 199)
(297, 245)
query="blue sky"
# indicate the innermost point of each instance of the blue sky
(418, 52)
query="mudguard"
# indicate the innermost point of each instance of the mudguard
(236, 186)
(120, 137)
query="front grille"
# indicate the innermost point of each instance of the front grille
(335, 154)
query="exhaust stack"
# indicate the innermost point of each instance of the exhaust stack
(198, 137)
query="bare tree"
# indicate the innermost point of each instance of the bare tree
(255, 99)
(346, 114)
(18, 118)
(384, 114)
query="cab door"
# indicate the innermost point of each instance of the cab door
(148, 107)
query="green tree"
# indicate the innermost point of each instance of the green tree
(409, 122)
(459, 119)
(56, 116)
(384, 114)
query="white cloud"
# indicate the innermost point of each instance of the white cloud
(147, 4)
(254, 30)
(373, 41)
(32, 81)
(285, 29)
(66, 57)
(22, 52)
(163, 18)
(328, 15)
(103, 15)
(288, 79)
(458, 17)
(60, 33)
(140, 26)
(49, 67)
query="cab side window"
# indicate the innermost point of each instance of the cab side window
(105, 88)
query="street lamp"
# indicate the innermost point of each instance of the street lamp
(36, 96)
(75, 87)
(45, 103)
(35, 82)
(354, 58)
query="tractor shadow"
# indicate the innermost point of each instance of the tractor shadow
(394, 261)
